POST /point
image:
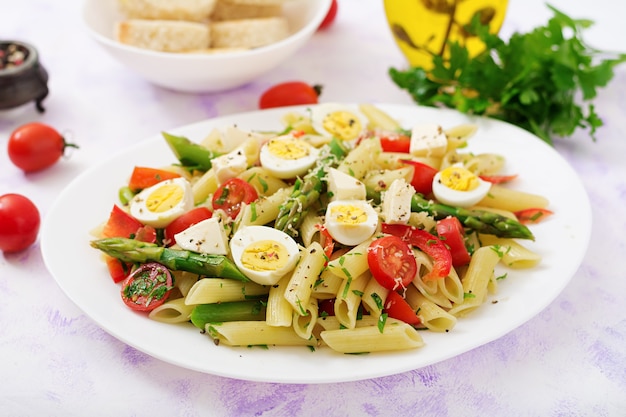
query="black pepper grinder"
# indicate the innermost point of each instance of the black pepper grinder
(22, 77)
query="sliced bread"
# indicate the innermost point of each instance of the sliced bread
(225, 10)
(164, 35)
(191, 10)
(248, 33)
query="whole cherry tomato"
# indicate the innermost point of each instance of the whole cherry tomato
(35, 146)
(19, 222)
(330, 16)
(290, 93)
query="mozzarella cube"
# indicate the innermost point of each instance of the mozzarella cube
(207, 236)
(396, 202)
(343, 186)
(428, 140)
(229, 165)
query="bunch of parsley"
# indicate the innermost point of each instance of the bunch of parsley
(542, 81)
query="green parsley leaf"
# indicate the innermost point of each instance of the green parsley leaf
(543, 81)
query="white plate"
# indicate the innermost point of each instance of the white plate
(562, 241)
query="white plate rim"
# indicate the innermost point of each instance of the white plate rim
(562, 240)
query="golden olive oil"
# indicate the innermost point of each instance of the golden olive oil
(422, 28)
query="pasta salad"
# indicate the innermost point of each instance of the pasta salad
(342, 230)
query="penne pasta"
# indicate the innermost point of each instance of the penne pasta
(395, 335)
(279, 310)
(300, 285)
(215, 290)
(348, 299)
(172, 311)
(504, 198)
(255, 333)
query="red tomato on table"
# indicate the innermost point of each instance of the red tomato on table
(19, 222)
(232, 194)
(35, 146)
(290, 93)
(392, 262)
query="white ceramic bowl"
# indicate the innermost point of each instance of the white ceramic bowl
(204, 72)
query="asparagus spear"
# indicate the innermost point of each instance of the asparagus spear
(190, 154)
(479, 220)
(308, 190)
(130, 250)
(249, 310)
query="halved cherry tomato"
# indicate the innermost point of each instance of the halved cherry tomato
(19, 222)
(451, 233)
(330, 16)
(147, 287)
(121, 224)
(427, 243)
(498, 179)
(532, 215)
(144, 177)
(397, 307)
(392, 262)
(290, 93)
(395, 143)
(185, 221)
(232, 194)
(423, 175)
(35, 146)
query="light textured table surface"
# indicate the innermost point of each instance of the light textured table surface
(569, 360)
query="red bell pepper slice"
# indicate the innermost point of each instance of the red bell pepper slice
(121, 224)
(423, 176)
(450, 231)
(144, 177)
(532, 215)
(427, 243)
(118, 270)
(498, 179)
(398, 308)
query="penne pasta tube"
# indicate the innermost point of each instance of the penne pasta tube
(255, 333)
(374, 296)
(432, 316)
(512, 200)
(279, 311)
(172, 311)
(349, 299)
(352, 263)
(512, 253)
(327, 285)
(215, 290)
(395, 335)
(184, 280)
(359, 161)
(265, 183)
(204, 186)
(476, 280)
(303, 325)
(300, 286)
(264, 210)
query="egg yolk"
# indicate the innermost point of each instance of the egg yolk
(348, 214)
(288, 148)
(265, 255)
(342, 124)
(458, 178)
(164, 198)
